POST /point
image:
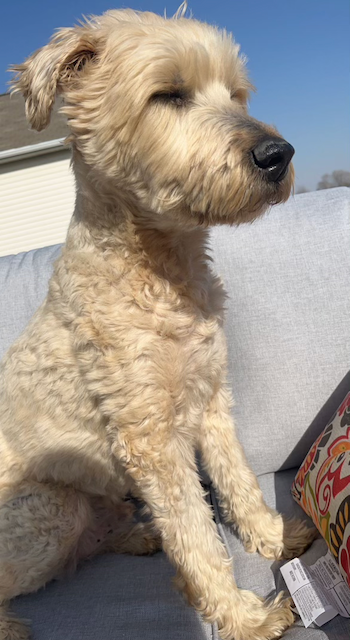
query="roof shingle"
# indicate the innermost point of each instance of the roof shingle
(15, 131)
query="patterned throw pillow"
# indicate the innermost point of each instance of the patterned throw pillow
(322, 485)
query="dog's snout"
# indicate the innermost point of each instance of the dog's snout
(273, 156)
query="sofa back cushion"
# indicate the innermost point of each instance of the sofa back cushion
(23, 286)
(287, 321)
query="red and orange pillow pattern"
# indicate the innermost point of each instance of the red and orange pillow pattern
(322, 485)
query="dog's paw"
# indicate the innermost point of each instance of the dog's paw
(256, 619)
(278, 617)
(297, 537)
(144, 540)
(11, 628)
(276, 537)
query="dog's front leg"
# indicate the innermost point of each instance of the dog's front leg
(162, 464)
(261, 528)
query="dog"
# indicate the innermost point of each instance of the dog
(120, 377)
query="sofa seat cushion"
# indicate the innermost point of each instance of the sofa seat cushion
(114, 597)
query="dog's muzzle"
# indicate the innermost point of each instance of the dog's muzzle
(272, 156)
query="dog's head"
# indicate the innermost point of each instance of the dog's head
(157, 110)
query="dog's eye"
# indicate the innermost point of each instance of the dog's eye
(177, 98)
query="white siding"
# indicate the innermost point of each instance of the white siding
(36, 202)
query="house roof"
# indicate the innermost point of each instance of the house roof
(15, 131)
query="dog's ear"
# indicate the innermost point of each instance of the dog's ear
(51, 69)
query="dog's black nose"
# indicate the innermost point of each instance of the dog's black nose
(273, 155)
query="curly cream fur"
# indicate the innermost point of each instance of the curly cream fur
(121, 373)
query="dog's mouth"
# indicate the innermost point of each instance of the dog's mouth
(265, 193)
(252, 200)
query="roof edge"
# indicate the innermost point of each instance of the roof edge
(32, 150)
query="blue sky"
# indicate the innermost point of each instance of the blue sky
(299, 60)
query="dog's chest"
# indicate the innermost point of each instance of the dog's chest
(205, 357)
(189, 328)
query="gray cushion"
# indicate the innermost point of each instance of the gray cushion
(287, 322)
(115, 597)
(289, 346)
(23, 287)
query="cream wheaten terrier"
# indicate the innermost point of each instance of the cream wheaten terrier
(121, 374)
